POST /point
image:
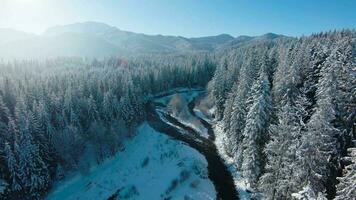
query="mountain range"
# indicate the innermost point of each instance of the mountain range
(93, 39)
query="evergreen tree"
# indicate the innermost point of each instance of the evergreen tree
(12, 167)
(32, 171)
(255, 131)
(346, 189)
(281, 178)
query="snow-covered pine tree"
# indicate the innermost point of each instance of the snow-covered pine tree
(32, 171)
(280, 179)
(343, 61)
(44, 137)
(127, 111)
(228, 107)
(346, 189)
(12, 167)
(307, 193)
(221, 86)
(92, 109)
(108, 106)
(238, 112)
(4, 118)
(255, 131)
(4, 115)
(318, 144)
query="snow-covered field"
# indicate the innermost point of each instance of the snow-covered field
(152, 166)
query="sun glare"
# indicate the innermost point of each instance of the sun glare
(25, 1)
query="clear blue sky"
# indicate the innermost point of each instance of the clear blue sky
(185, 17)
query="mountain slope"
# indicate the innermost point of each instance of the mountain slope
(93, 39)
(61, 45)
(10, 35)
(245, 40)
(136, 42)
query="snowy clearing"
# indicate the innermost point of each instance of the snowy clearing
(152, 166)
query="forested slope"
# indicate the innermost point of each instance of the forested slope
(52, 112)
(288, 111)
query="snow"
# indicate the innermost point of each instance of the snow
(241, 184)
(152, 166)
(180, 129)
(195, 124)
(189, 120)
(201, 115)
(308, 193)
(188, 94)
(175, 91)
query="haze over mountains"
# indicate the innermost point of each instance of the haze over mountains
(93, 39)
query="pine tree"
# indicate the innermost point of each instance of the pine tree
(32, 171)
(222, 83)
(92, 109)
(346, 189)
(107, 106)
(255, 131)
(4, 114)
(281, 179)
(12, 167)
(228, 107)
(307, 193)
(239, 111)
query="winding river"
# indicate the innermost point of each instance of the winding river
(218, 172)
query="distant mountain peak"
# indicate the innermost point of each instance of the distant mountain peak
(89, 27)
(270, 36)
(244, 40)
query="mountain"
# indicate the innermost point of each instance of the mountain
(10, 35)
(67, 44)
(211, 42)
(141, 43)
(245, 40)
(93, 39)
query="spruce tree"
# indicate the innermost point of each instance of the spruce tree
(255, 131)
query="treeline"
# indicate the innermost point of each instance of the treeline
(288, 111)
(53, 112)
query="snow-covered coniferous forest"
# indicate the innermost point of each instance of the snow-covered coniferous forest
(282, 111)
(89, 111)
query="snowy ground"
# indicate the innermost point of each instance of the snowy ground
(168, 94)
(188, 94)
(188, 120)
(202, 116)
(240, 183)
(152, 166)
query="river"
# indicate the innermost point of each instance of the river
(218, 172)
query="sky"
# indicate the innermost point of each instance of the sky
(189, 18)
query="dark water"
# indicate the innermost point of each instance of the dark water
(218, 172)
